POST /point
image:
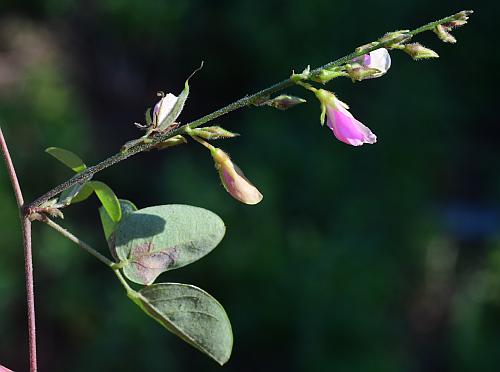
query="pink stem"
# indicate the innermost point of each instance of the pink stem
(28, 260)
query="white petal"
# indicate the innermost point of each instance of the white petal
(166, 105)
(381, 60)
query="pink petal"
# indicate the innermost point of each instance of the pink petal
(233, 179)
(238, 185)
(346, 128)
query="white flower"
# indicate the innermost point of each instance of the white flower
(163, 108)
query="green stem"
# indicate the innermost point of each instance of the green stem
(245, 101)
(114, 266)
(61, 230)
(124, 282)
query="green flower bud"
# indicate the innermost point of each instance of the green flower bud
(444, 35)
(362, 73)
(174, 141)
(284, 102)
(418, 51)
(395, 37)
(210, 133)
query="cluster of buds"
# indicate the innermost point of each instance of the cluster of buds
(443, 30)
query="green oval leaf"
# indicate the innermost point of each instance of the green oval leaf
(190, 313)
(86, 191)
(108, 225)
(161, 238)
(68, 158)
(108, 199)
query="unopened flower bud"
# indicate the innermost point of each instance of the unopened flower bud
(454, 24)
(233, 179)
(362, 48)
(443, 34)
(418, 51)
(326, 75)
(174, 141)
(463, 15)
(284, 102)
(362, 73)
(395, 37)
(211, 133)
(443, 30)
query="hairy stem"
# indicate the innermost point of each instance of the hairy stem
(61, 230)
(115, 267)
(243, 102)
(28, 259)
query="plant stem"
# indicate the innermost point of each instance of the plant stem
(115, 267)
(11, 170)
(123, 281)
(28, 257)
(61, 230)
(245, 101)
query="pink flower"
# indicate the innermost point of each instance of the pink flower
(378, 59)
(233, 179)
(344, 126)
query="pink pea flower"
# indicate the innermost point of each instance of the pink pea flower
(233, 179)
(378, 59)
(344, 126)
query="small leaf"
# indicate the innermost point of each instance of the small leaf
(86, 191)
(161, 238)
(190, 313)
(108, 199)
(179, 104)
(67, 196)
(68, 158)
(108, 225)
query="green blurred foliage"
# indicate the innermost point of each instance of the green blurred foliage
(380, 258)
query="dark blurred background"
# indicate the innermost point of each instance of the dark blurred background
(379, 258)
